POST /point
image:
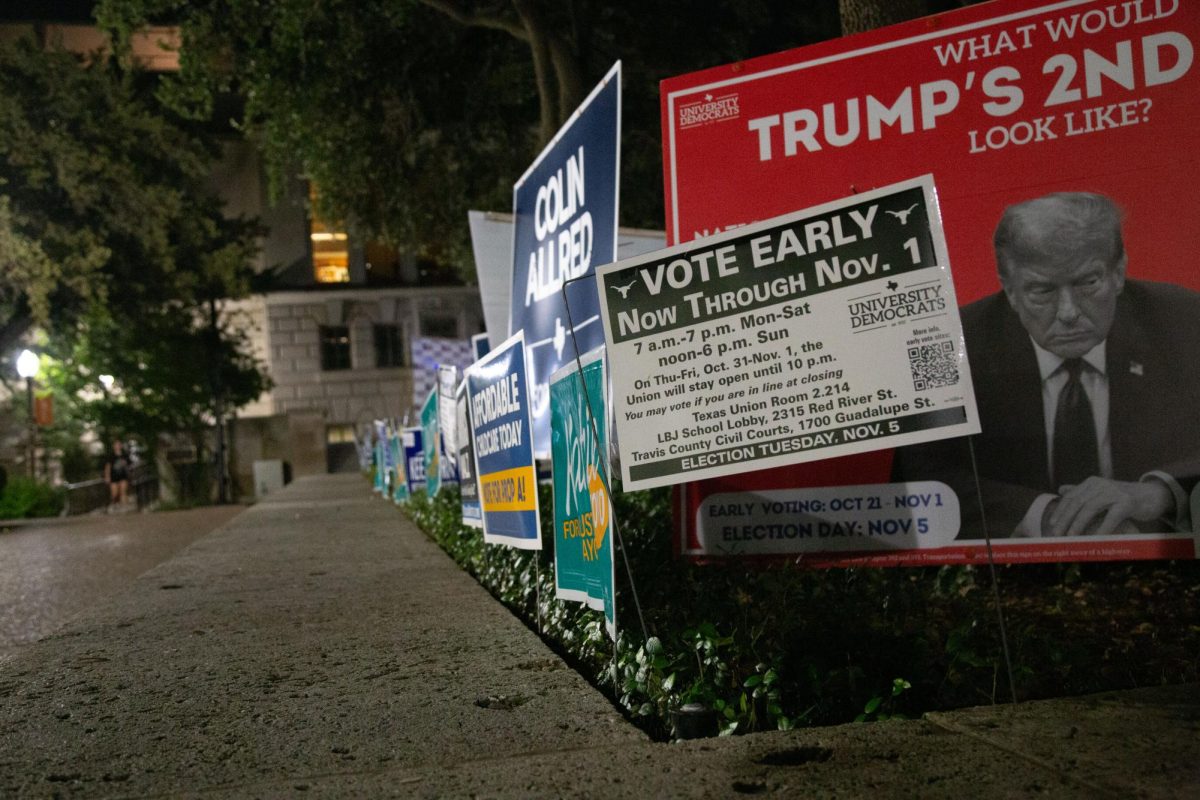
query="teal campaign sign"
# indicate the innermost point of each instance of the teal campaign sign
(431, 435)
(583, 541)
(400, 488)
(381, 457)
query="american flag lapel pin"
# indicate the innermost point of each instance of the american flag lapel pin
(1135, 368)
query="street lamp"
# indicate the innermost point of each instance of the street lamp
(27, 368)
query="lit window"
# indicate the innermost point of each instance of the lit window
(330, 248)
(339, 434)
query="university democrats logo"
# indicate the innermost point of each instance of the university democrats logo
(897, 304)
(709, 108)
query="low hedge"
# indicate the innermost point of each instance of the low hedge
(779, 647)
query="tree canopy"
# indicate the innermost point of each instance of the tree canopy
(90, 183)
(111, 242)
(408, 112)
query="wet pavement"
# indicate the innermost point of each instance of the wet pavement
(50, 570)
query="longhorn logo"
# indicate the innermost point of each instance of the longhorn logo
(902, 215)
(624, 290)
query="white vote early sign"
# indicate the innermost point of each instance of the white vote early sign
(821, 333)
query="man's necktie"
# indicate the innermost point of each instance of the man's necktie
(1075, 452)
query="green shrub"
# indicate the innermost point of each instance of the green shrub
(78, 464)
(648, 676)
(24, 497)
(779, 646)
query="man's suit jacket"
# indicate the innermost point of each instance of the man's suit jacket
(1153, 366)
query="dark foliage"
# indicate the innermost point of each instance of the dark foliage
(783, 646)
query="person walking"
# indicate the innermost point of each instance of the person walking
(117, 469)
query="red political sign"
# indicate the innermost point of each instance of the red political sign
(1062, 142)
(43, 410)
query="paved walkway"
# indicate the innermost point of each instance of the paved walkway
(51, 569)
(319, 644)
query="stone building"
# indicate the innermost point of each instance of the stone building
(340, 358)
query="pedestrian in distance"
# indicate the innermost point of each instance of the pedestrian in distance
(117, 469)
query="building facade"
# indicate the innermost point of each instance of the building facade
(338, 359)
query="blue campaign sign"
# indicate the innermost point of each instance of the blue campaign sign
(414, 460)
(497, 391)
(480, 345)
(565, 225)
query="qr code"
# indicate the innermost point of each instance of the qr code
(933, 365)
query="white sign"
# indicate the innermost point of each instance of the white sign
(828, 519)
(822, 333)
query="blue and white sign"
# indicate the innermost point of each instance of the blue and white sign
(472, 511)
(497, 390)
(448, 421)
(565, 225)
(480, 345)
(414, 459)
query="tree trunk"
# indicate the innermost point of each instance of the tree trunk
(543, 69)
(864, 15)
(569, 73)
(557, 66)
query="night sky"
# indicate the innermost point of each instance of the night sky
(47, 10)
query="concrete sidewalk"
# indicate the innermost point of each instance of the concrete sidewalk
(53, 569)
(319, 644)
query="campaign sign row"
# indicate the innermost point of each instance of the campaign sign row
(485, 446)
(830, 330)
(797, 361)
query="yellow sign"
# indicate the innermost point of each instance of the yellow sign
(509, 490)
